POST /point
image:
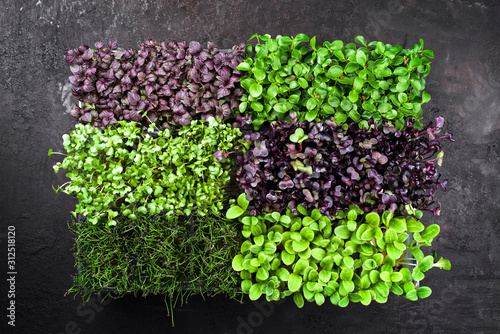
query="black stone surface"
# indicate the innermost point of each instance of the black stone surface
(34, 99)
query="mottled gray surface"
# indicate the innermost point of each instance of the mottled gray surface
(34, 96)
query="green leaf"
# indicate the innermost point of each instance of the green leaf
(348, 261)
(298, 299)
(412, 295)
(307, 233)
(443, 264)
(247, 83)
(311, 103)
(242, 201)
(361, 57)
(234, 212)
(242, 107)
(400, 71)
(417, 253)
(300, 208)
(272, 91)
(430, 232)
(255, 90)
(335, 71)
(374, 276)
(342, 231)
(301, 38)
(416, 85)
(402, 86)
(249, 220)
(269, 248)
(300, 246)
(237, 262)
(351, 67)
(428, 53)
(257, 106)
(311, 116)
(417, 274)
(284, 40)
(415, 62)
(369, 264)
(318, 253)
(426, 97)
(426, 263)
(343, 302)
(346, 274)
(297, 69)
(413, 225)
(255, 292)
(246, 285)
(368, 234)
(385, 276)
(287, 258)
(380, 47)
(384, 107)
(361, 40)
(313, 43)
(280, 108)
(303, 83)
(396, 276)
(340, 117)
(390, 236)
(262, 274)
(399, 225)
(337, 45)
(351, 225)
(244, 66)
(366, 297)
(294, 282)
(283, 274)
(373, 219)
(259, 240)
(358, 84)
(261, 49)
(327, 262)
(319, 298)
(276, 63)
(346, 105)
(424, 292)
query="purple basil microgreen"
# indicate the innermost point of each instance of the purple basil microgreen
(178, 82)
(377, 168)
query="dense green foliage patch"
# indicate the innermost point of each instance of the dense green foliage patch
(156, 254)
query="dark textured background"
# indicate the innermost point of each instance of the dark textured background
(35, 98)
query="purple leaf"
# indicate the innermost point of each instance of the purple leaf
(133, 97)
(439, 122)
(286, 183)
(309, 197)
(86, 118)
(112, 45)
(101, 85)
(218, 156)
(352, 173)
(379, 157)
(222, 92)
(271, 198)
(194, 48)
(260, 149)
(87, 55)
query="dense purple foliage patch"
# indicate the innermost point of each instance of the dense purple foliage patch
(166, 83)
(378, 169)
